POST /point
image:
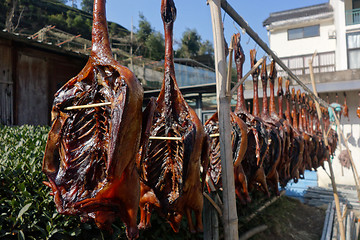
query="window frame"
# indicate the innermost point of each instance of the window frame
(349, 50)
(303, 32)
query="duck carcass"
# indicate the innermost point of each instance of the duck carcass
(239, 146)
(173, 149)
(257, 137)
(91, 148)
(296, 152)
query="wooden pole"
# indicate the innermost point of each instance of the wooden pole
(210, 220)
(253, 232)
(332, 177)
(230, 220)
(265, 205)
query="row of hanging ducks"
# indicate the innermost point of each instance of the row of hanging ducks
(270, 147)
(105, 157)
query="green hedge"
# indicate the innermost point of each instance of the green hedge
(27, 211)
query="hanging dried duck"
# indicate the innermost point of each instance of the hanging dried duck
(256, 134)
(92, 145)
(358, 109)
(296, 150)
(302, 128)
(321, 152)
(282, 125)
(239, 146)
(314, 142)
(276, 135)
(170, 169)
(345, 108)
(295, 124)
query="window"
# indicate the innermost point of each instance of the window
(353, 44)
(304, 32)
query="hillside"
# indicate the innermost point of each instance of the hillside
(32, 15)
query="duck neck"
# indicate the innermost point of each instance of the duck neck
(100, 36)
(272, 107)
(169, 85)
(294, 116)
(256, 108)
(265, 106)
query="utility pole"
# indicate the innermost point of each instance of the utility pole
(131, 47)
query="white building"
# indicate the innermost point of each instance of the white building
(333, 31)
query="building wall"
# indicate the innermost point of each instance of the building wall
(31, 90)
(351, 129)
(348, 4)
(283, 48)
(32, 75)
(6, 83)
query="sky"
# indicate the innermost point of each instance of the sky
(195, 14)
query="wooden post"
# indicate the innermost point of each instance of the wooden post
(211, 220)
(230, 220)
(332, 177)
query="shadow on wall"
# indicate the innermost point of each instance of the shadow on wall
(350, 137)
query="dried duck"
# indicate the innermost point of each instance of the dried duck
(276, 135)
(173, 144)
(345, 108)
(239, 146)
(257, 136)
(296, 152)
(281, 124)
(91, 148)
(358, 109)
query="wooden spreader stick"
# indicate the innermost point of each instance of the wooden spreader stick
(214, 135)
(165, 138)
(246, 76)
(332, 177)
(88, 106)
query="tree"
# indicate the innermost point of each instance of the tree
(87, 6)
(190, 44)
(144, 30)
(150, 43)
(206, 48)
(155, 46)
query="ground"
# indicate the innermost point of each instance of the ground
(287, 218)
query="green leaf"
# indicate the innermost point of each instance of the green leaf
(23, 210)
(21, 235)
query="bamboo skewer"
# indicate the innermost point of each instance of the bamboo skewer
(88, 106)
(214, 135)
(165, 138)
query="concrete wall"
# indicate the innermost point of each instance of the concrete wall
(280, 44)
(351, 129)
